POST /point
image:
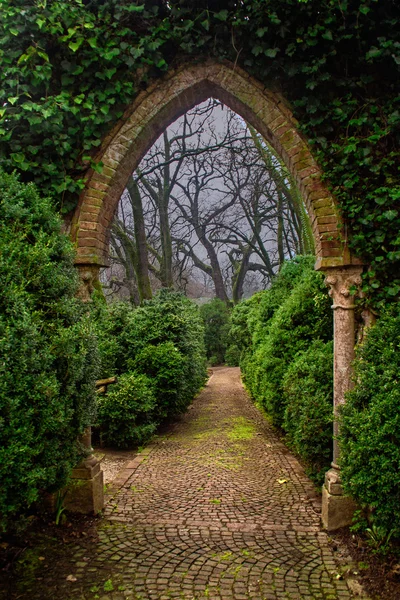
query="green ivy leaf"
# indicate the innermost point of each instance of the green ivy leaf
(222, 15)
(373, 53)
(271, 52)
(74, 46)
(390, 214)
(134, 8)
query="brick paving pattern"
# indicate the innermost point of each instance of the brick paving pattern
(217, 509)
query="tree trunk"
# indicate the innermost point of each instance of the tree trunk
(281, 253)
(216, 274)
(239, 276)
(141, 260)
(165, 231)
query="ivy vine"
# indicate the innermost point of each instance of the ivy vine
(71, 67)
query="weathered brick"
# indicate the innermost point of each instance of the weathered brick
(322, 202)
(324, 211)
(163, 100)
(88, 225)
(325, 227)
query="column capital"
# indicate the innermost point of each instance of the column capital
(340, 281)
(89, 280)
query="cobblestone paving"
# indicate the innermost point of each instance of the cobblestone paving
(218, 509)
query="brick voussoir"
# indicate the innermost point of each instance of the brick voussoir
(153, 109)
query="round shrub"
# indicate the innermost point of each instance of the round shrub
(110, 321)
(167, 368)
(48, 355)
(232, 355)
(126, 413)
(168, 317)
(370, 424)
(308, 419)
(216, 320)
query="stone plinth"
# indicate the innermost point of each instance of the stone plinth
(337, 509)
(86, 488)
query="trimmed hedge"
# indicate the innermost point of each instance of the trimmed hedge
(166, 367)
(308, 419)
(285, 339)
(370, 425)
(48, 354)
(168, 317)
(305, 315)
(162, 340)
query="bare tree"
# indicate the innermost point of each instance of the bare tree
(210, 196)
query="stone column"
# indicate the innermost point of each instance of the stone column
(337, 509)
(86, 489)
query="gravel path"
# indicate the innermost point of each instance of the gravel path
(218, 508)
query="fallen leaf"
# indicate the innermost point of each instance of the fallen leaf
(282, 480)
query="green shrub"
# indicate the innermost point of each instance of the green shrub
(167, 368)
(239, 331)
(232, 355)
(370, 425)
(216, 320)
(168, 317)
(162, 339)
(110, 321)
(308, 419)
(269, 301)
(304, 316)
(48, 355)
(250, 318)
(126, 414)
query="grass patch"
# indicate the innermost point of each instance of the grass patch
(241, 429)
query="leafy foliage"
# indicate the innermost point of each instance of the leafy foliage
(216, 319)
(370, 425)
(289, 275)
(70, 68)
(167, 368)
(168, 317)
(48, 351)
(308, 420)
(284, 335)
(126, 414)
(162, 340)
(304, 316)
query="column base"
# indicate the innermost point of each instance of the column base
(85, 493)
(337, 509)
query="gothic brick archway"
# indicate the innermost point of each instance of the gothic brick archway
(163, 102)
(148, 116)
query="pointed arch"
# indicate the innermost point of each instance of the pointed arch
(163, 102)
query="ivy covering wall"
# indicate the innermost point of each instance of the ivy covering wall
(71, 67)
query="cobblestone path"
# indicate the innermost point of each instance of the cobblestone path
(218, 509)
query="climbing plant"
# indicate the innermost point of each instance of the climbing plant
(70, 68)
